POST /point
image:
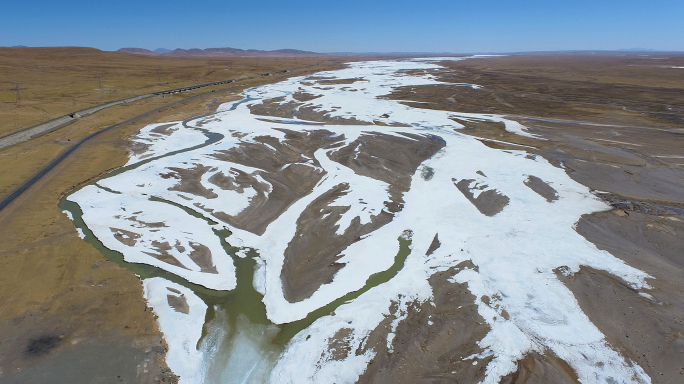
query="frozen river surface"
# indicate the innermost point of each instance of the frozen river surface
(315, 179)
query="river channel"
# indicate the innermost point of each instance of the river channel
(240, 340)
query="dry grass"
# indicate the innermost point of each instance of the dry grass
(628, 90)
(64, 80)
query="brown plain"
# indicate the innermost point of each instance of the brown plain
(615, 123)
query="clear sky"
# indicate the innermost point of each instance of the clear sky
(360, 26)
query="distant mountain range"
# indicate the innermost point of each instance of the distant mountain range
(218, 52)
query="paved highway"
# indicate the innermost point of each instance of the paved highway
(21, 189)
(59, 122)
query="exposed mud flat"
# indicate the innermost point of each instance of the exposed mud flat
(311, 257)
(283, 168)
(544, 190)
(488, 201)
(495, 286)
(649, 328)
(433, 342)
(632, 168)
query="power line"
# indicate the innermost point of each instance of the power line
(18, 89)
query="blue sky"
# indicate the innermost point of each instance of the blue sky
(359, 26)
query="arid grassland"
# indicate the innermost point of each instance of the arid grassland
(57, 81)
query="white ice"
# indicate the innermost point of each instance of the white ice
(178, 137)
(516, 252)
(182, 331)
(106, 214)
(247, 357)
(152, 179)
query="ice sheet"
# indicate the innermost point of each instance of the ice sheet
(247, 357)
(517, 250)
(158, 234)
(175, 137)
(182, 331)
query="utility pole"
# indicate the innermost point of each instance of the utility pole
(99, 80)
(158, 72)
(18, 89)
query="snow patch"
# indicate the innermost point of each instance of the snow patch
(182, 331)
